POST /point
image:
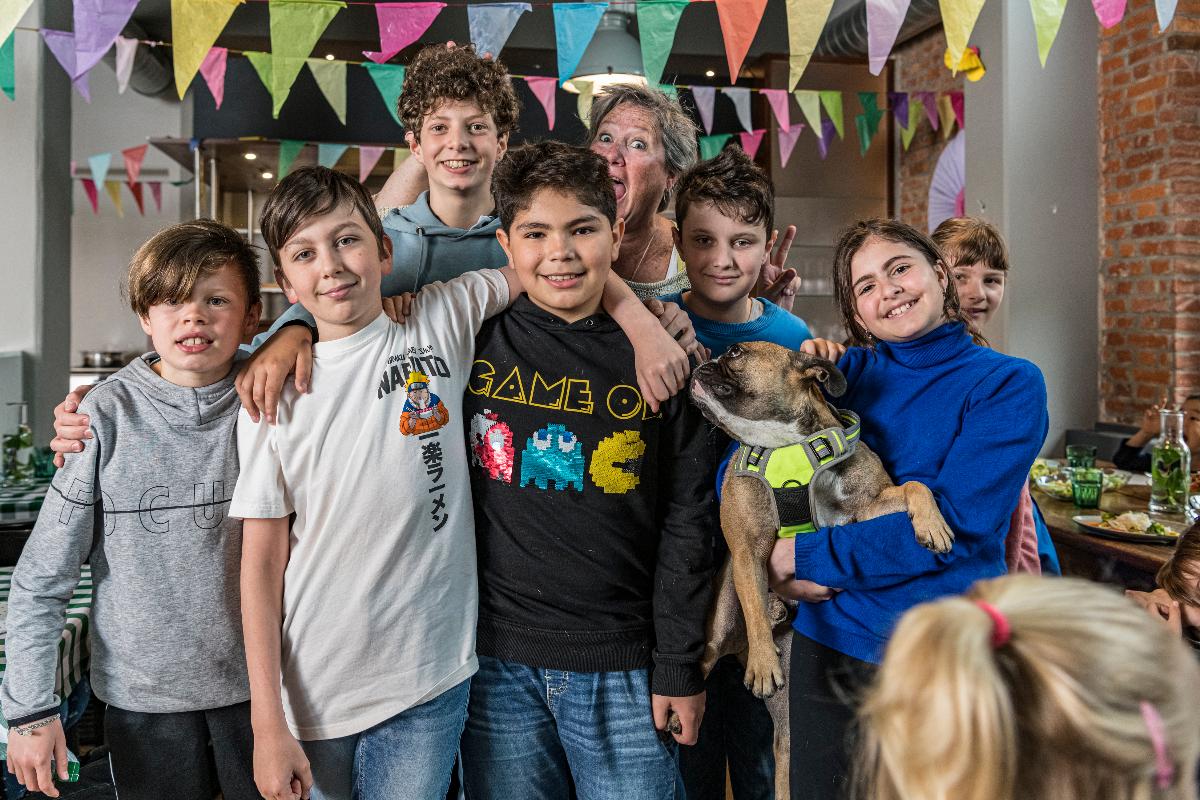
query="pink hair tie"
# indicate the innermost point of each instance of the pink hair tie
(1164, 770)
(1001, 630)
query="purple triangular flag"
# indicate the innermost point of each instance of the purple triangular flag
(368, 157)
(787, 142)
(156, 193)
(898, 102)
(929, 103)
(828, 131)
(956, 102)
(62, 44)
(97, 23)
(544, 89)
(751, 141)
(778, 98)
(884, 18)
(705, 97)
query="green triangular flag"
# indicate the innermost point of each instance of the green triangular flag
(288, 150)
(915, 109)
(296, 25)
(869, 101)
(868, 126)
(389, 80)
(711, 146)
(8, 67)
(657, 22)
(669, 89)
(183, 182)
(331, 78)
(262, 65)
(1047, 17)
(832, 101)
(810, 105)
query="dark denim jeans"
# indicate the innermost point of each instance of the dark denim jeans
(531, 733)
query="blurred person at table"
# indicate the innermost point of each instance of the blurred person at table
(146, 504)
(1134, 452)
(1176, 600)
(1032, 689)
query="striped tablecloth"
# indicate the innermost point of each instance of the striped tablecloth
(73, 649)
(20, 504)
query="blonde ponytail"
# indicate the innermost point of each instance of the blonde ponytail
(1053, 713)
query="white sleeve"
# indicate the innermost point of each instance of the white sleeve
(260, 492)
(462, 304)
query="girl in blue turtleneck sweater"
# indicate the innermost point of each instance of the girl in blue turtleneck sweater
(936, 407)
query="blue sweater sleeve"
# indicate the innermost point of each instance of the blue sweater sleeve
(1003, 426)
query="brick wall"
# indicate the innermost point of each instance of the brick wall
(1149, 116)
(919, 66)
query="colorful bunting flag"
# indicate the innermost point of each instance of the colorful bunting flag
(99, 164)
(869, 101)
(1109, 12)
(828, 131)
(884, 18)
(810, 106)
(400, 155)
(288, 150)
(262, 65)
(929, 103)
(787, 142)
(195, 26)
(805, 20)
(136, 189)
(97, 23)
(133, 161)
(126, 50)
(1047, 17)
(8, 67)
(492, 23)
(1165, 9)
(945, 115)
(574, 26)
(62, 45)
(331, 80)
(11, 12)
(898, 103)
(669, 89)
(212, 69)
(401, 24)
(389, 80)
(741, 104)
(705, 97)
(183, 182)
(778, 99)
(657, 23)
(832, 103)
(329, 154)
(914, 120)
(296, 25)
(89, 188)
(544, 90)
(583, 104)
(114, 192)
(739, 22)
(710, 146)
(958, 20)
(751, 141)
(867, 125)
(368, 157)
(956, 103)
(156, 193)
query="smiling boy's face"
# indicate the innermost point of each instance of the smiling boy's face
(563, 251)
(724, 255)
(459, 146)
(333, 267)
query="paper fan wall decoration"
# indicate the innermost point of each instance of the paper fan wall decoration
(947, 191)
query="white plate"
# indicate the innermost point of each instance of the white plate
(1091, 523)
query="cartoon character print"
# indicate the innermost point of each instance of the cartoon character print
(492, 446)
(617, 463)
(553, 454)
(423, 410)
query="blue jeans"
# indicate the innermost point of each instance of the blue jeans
(531, 733)
(407, 757)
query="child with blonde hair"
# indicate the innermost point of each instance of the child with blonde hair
(1034, 689)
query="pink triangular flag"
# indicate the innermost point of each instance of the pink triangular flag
(133, 161)
(89, 188)
(156, 193)
(929, 103)
(213, 70)
(62, 45)
(751, 141)
(705, 97)
(1109, 12)
(126, 50)
(787, 141)
(136, 189)
(956, 102)
(543, 89)
(368, 157)
(884, 18)
(401, 24)
(778, 98)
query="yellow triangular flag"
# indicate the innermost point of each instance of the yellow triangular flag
(1047, 17)
(296, 25)
(11, 12)
(399, 157)
(195, 26)
(958, 20)
(810, 105)
(946, 115)
(584, 104)
(805, 21)
(915, 109)
(114, 191)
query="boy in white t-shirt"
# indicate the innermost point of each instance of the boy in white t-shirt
(365, 612)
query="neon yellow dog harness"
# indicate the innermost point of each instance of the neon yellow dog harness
(789, 471)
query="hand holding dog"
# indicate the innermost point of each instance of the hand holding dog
(781, 573)
(824, 348)
(688, 710)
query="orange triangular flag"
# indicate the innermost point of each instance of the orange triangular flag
(739, 22)
(133, 161)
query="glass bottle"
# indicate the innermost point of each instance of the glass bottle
(1170, 466)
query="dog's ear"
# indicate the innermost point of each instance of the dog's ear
(825, 372)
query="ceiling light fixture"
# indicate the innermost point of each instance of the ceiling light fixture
(251, 156)
(267, 176)
(614, 54)
(329, 56)
(708, 73)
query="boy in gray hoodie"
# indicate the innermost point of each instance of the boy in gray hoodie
(146, 504)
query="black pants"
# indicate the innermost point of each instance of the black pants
(157, 756)
(824, 689)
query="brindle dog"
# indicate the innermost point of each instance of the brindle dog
(767, 396)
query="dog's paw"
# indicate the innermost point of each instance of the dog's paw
(673, 723)
(933, 533)
(777, 610)
(764, 674)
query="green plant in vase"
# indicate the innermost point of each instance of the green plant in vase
(1170, 466)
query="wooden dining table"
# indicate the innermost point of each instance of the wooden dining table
(1081, 553)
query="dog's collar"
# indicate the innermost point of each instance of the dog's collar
(824, 448)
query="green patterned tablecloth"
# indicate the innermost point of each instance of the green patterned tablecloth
(73, 649)
(20, 504)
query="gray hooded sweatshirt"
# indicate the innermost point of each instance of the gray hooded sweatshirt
(145, 503)
(424, 250)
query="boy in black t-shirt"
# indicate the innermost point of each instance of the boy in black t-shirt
(594, 516)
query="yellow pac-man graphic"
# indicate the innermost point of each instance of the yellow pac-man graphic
(617, 462)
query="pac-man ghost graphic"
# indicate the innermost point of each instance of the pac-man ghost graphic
(553, 455)
(617, 463)
(492, 446)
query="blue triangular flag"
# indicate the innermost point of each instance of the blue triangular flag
(329, 154)
(491, 24)
(99, 167)
(574, 26)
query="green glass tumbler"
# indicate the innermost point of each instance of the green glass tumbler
(1081, 455)
(1086, 485)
